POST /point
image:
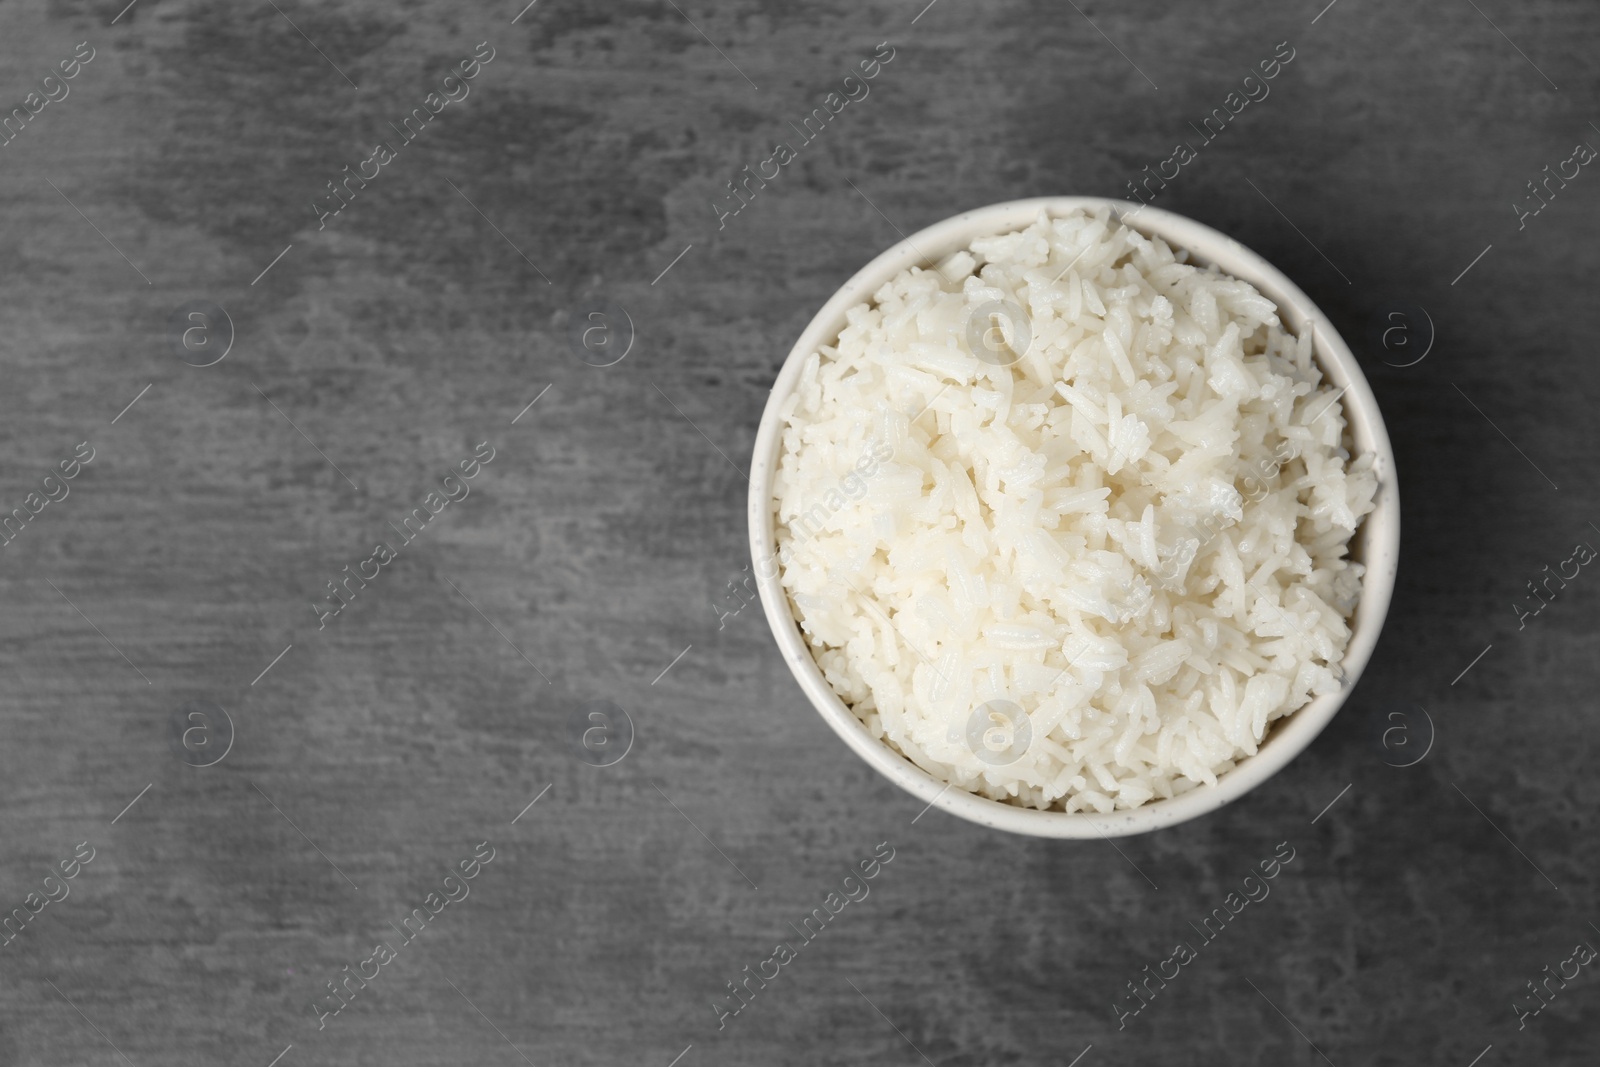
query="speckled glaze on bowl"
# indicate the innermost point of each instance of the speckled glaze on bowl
(1376, 544)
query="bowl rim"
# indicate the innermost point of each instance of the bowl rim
(1377, 541)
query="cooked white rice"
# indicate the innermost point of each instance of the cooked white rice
(1136, 532)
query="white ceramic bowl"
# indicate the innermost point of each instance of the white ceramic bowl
(1377, 542)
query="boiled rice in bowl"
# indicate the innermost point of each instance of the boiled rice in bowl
(1064, 518)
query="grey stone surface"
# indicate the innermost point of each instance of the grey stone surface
(379, 751)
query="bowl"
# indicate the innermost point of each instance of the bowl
(1376, 542)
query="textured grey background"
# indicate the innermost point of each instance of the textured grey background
(608, 526)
